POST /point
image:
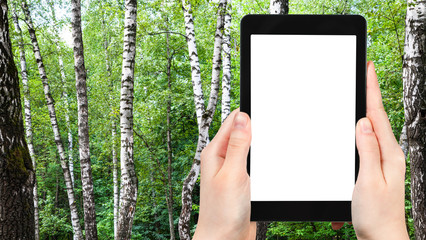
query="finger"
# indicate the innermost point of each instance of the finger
(214, 154)
(369, 153)
(219, 144)
(379, 119)
(238, 145)
(337, 225)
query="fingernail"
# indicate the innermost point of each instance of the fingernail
(240, 121)
(366, 126)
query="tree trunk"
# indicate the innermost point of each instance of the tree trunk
(52, 114)
(114, 143)
(403, 141)
(64, 93)
(83, 124)
(193, 60)
(226, 78)
(261, 230)
(275, 7)
(169, 195)
(115, 178)
(16, 170)
(28, 121)
(414, 76)
(207, 115)
(278, 7)
(129, 183)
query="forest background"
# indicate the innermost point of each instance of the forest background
(163, 103)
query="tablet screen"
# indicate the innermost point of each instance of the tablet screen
(303, 117)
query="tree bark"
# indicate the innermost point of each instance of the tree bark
(207, 114)
(83, 124)
(169, 195)
(403, 141)
(64, 93)
(278, 7)
(115, 177)
(261, 230)
(226, 51)
(114, 143)
(414, 77)
(275, 7)
(129, 182)
(193, 61)
(16, 170)
(28, 120)
(52, 114)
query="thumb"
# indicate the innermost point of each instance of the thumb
(368, 150)
(239, 143)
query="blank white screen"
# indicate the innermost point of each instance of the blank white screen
(303, 117)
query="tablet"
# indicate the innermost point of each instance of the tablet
(303, 83)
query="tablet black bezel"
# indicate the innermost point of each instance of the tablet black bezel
(337, 211)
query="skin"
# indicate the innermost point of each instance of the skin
(378, 197)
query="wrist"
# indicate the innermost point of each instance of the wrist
(393, 234)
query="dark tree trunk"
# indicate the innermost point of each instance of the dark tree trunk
(16, 170)
(414, 77)
(261, 230)
(28, 120)
(83, 124)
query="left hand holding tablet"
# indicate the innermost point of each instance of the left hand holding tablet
(225, 184)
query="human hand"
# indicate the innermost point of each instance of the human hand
(225, 184)
(378, 197)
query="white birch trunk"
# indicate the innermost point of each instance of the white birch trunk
(83, 124)
(169, 191)
(114, 152)
(129, 182)
(414, 77)
(75, 221)
(207, 116)
(193, 60)
(115, 179)
(403, 140)
(226, 52)
(278, 7)
(28, 121)
(64, 93)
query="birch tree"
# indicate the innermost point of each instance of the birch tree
(113, 137)
(169, 191)
(129, 181)
(226, 76)
(28, 122)
(75, 220)
(64, 91)
(83, 124)
(278, 7)
(193, 60)
(206, 115)
(414, 77)
(16, 170)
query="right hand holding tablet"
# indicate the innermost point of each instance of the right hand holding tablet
(378, 198)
